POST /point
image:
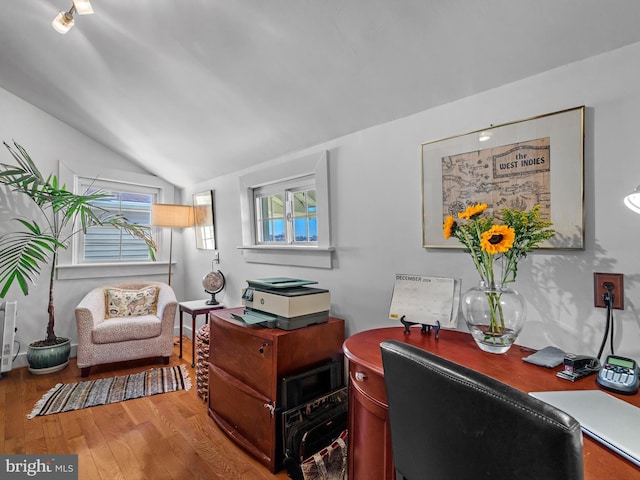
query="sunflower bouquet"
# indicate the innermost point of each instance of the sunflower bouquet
(489, 241)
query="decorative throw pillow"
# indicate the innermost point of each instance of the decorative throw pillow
(129, 303)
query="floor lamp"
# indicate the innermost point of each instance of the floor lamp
(173, 216)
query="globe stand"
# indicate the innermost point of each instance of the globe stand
(213, 300)
(213, 282)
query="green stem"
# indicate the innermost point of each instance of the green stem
(496, 325)
(479, 267)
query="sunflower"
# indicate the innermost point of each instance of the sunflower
(448, 226)
(498, 239)
(472, 210)
(518, 233)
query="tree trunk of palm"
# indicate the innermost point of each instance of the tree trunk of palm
(51, 336)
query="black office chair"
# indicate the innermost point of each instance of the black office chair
(449, 422)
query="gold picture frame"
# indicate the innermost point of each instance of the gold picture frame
(539, 160)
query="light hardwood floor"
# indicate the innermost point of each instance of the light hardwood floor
(167, 436)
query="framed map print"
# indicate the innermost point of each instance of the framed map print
(516, 165)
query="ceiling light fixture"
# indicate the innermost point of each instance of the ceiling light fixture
(64, 20)
(632, 201)
(83, 7)
(485, 135)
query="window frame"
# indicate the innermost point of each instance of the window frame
(287, 189)
(69, 268)
(319, 255)
(120, 187)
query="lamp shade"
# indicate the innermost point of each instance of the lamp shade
(169, 215)
(632, 201)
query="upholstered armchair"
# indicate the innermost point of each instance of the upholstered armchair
(125, 321)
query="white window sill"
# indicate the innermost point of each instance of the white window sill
(299, 256)
(125, 269)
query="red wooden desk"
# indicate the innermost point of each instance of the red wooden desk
(370, 453)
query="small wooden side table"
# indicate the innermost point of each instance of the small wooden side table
(195, 308)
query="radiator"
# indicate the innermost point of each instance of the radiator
(8, 312)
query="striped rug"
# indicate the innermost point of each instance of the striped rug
(74, 396)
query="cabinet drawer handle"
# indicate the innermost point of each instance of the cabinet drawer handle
(261, 349)
(271, 408)
(361, 377)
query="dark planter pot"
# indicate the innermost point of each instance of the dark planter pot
(48, 358)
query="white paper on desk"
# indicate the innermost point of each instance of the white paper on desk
(425, 300)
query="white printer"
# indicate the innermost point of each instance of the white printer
(285, 303)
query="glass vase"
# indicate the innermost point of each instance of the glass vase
(494, 315)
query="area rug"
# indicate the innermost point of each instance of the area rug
(74, 396)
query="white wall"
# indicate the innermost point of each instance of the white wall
(48, 141)
(376, 210)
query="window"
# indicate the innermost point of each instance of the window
(107, 243)
(122, 257)
(286, 213)
(305, 221)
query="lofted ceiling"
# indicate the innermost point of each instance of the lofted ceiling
(193, 89)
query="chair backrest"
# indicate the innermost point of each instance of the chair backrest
(135, 284)
(450, 422)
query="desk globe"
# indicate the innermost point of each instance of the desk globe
(213, 282)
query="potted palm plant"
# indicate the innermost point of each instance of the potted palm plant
(58, 215)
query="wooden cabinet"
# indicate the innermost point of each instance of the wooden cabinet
(246, 364)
